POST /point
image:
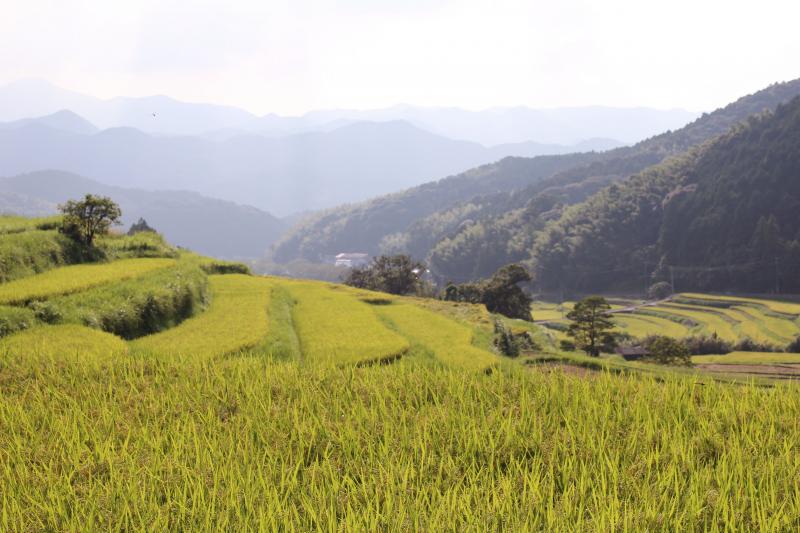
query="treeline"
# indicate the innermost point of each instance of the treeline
(551, 213)
(721, 217)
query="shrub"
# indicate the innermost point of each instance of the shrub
(666, 350)
(659, 291)
(224, 267)
(511, 343)
(749, 345)
(794, 346)
(566, 346)
(13, 319)
(46, 312)
(707, 345)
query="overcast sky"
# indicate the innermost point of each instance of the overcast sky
(292, 56)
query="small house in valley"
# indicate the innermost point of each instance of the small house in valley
(354, 259)
(632, 353)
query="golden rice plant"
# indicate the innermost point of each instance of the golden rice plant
(450, 341)
(242, 444)
(333, 325)
(77, 278)
(235, 320)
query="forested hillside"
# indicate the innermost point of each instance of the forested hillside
(724, 216)
(469, 225)
(365, 225)
(478, 248)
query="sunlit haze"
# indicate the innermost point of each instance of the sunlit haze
(292, 56)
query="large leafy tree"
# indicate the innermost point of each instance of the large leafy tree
(87, 218)
(395, 274)
(501, 293)
(591, 324)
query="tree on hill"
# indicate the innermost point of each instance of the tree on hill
(395, 274)
(591, 324)
(86, 219)
(500, 294)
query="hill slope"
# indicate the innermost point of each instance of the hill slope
(471, 230)
(210, 226)
(723, 216)
(282, 175)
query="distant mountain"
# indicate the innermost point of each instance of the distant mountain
(166, 116)
(467, 231)
(723, 217)
(518, 124)
(154, 114)
(209, 226)
(63, 120)
(281, 175)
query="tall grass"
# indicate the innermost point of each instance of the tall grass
(242, 444)
(18, 224)
(76, 278)
(32, 252)
(235, 320)
(334, 326)
(138, 306)
(142, 244)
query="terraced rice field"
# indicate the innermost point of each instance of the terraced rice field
(777, 306)
(709, 321)
(63, 342)
(641, 325)
(77, 278)
(236, 320)
(17, 224)
(336, 327)
(450, 342)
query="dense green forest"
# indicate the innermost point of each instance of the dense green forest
(723, 216)
(469, 225)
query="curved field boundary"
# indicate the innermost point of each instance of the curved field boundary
(776, 324)
(334, 326)
(235, 320)
(450, 341)
(77, 278)
(708, 322)
(744, 324)
(641, 325)
(788, 308)
(760, 327)
(65, 342)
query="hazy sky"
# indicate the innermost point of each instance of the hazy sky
(291, 56)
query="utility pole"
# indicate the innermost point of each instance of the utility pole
(777, 276)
